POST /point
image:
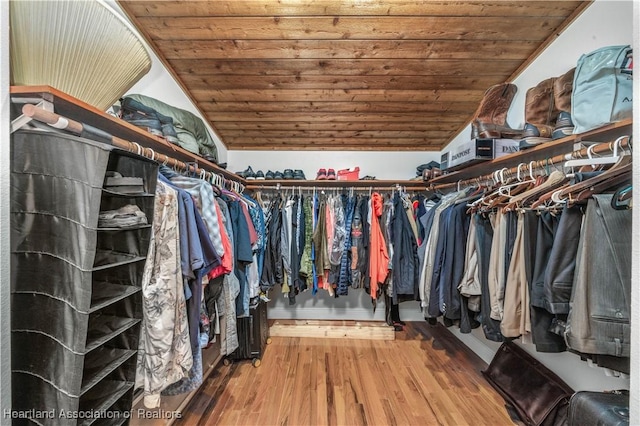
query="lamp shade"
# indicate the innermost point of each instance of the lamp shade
(83, 48)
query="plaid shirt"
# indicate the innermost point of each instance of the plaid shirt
(204, 198)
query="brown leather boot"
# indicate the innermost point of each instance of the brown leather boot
(562, 89)
(539, 114)
(490, 119)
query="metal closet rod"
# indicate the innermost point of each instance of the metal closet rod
(59, 122)
(544, 164)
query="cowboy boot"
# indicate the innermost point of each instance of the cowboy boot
(539, 114)
(490, 119)
(562, 89)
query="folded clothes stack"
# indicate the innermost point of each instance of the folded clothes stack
(124, 217)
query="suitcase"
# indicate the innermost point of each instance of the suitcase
(599, 409)
(253, 336)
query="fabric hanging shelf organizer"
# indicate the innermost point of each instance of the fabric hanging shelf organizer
(75, 291)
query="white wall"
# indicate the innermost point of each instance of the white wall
(5, 330)
(382, 165)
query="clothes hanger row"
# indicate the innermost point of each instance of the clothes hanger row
(548, 185)
(338, 189)
(594, 154)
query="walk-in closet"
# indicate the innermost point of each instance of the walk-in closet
(318, 212)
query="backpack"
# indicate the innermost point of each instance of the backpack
(602, 88)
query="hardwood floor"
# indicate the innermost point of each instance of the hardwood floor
(424, 377)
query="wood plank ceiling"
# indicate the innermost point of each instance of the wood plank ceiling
(385, 75)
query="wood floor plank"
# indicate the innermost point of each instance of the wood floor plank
(423, 377)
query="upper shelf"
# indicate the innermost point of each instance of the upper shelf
(75, 109)
(545, 150)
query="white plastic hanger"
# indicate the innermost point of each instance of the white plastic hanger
(596, 161)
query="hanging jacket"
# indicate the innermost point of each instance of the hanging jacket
(357, 245)
(378, 258)
(405, 256)
(344, 280)
(320, 247)
(272, 269)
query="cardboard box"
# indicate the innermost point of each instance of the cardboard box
(481, 150)
(444, 160)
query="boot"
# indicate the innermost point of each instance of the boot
(539, 114)
(562, 89)
(490, 119)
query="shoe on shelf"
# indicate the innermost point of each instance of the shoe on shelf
(260, 175)
(269, 175)
(288, 174)
(299, 175)
(331, 174)
(322, 174)
(564, 126)
(367, 177)
(278, 175)
(532, 137)
(247, 174)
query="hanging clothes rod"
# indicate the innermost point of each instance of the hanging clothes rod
(621, 144)
(310, 186)
(59, 122)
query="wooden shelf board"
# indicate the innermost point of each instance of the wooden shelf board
(545, 150)
(363, 330)
(77, 110)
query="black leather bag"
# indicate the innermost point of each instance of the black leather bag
(538, 395)
(599, 409)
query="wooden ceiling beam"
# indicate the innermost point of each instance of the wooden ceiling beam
(439, 82)
(435, 124)
(358, 67)
(339, 107)
(340, 134)
(327, 117)
(336, 95)
(350, 27)
(345, 49)
(333, 7)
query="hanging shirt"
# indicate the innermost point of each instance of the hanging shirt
(164, 351)
(379, 257)
(204, 198)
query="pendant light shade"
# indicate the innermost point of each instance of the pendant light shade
(83, 48)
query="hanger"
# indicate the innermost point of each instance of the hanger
(597, 184)
(597, 161)
(622, 198)
(553, 180)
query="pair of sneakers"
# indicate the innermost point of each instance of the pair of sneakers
(249, 174)
(288, 174)
(324, 174)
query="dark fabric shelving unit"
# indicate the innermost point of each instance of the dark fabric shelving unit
(76, 301)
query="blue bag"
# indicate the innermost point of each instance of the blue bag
(602, 88)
